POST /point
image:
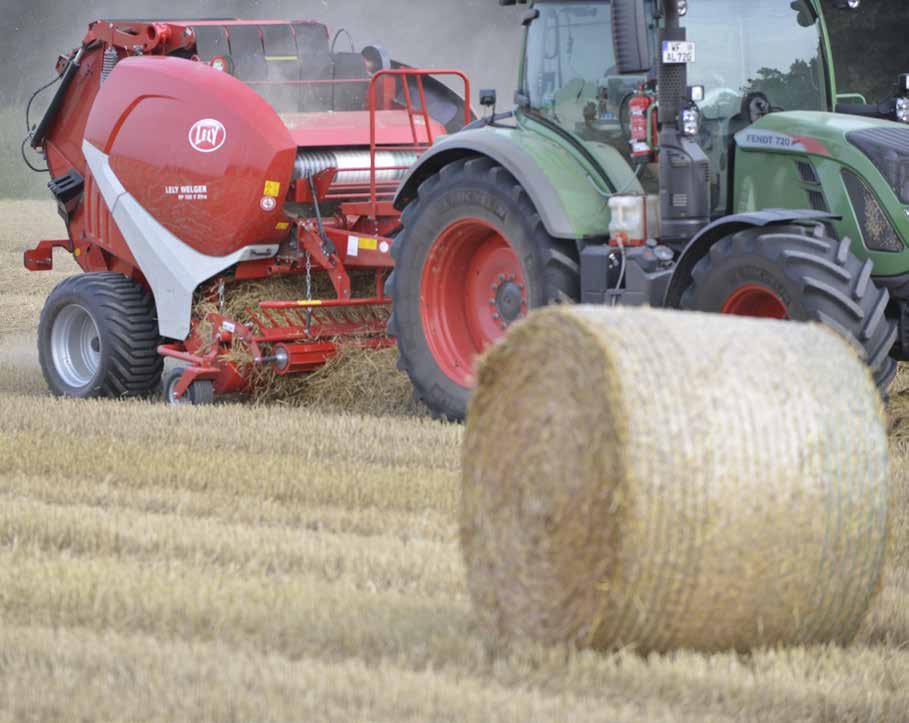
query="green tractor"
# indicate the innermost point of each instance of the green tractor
(691, 155)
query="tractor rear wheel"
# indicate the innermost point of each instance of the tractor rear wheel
(473, 257)
(792, 272)
(98, 337)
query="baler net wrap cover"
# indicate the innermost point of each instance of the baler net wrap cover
(673, 480)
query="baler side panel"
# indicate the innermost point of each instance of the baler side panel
(174, 270)
(221, 160)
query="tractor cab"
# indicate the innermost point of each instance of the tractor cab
(751, 59)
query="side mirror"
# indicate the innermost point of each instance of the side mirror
(488, 98)
(630, 37)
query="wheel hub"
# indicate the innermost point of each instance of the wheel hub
(75, 346)
(755, 300)
(509, 300)
(472, 288)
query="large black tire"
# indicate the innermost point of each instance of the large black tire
(98, 337)
(467, 190)
(815, 278)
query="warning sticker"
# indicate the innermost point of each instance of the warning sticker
(353, 246)
(368, 244)
(272, 188)
(282, 226)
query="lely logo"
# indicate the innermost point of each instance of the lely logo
(208, 135)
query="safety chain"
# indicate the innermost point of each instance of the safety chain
(308, 294)
(221, 297)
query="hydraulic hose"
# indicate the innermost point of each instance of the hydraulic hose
(40, 134)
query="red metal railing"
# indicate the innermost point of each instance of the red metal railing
(369, 198)
(418, 145)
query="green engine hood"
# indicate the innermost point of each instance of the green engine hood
(768, 174)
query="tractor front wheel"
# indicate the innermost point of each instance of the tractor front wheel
(98, 337)
(473, 257)
(793, 272)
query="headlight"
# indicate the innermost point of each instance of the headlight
(877, 231)
(690, 121)
(888, 149)
(683, 7)
(902, 110)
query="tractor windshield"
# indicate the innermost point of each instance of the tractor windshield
(753, 57)
(769, 47)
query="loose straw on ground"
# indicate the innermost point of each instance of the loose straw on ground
(664, 480)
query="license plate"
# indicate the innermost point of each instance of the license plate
(678, 52)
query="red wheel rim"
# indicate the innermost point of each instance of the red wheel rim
(472, 289)
(755, 300)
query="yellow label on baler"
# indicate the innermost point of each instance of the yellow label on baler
(283, 226)
(309, 303)
(272, 188)
(369, 244)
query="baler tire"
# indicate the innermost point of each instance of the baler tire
(811, 276)
(472, 191)
(199, 394)
(119, 355)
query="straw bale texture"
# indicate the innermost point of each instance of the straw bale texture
(662, 480)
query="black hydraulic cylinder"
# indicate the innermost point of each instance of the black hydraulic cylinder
(40, 134)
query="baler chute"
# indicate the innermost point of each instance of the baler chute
(192, 158)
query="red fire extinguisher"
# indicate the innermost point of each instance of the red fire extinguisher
(640, 109)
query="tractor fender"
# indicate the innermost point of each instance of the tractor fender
(502, 150)
(700, 245)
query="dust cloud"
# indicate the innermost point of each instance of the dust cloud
(477, 36)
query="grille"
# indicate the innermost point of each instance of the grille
(877, 230)
(808, 174)
(817, 201)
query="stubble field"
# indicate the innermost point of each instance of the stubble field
(260, 563)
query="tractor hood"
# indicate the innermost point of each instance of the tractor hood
(812, 133)
(854, 167)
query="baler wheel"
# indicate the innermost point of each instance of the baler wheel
(199, 393)
(98, 337)
(473, 257)
(792, 272)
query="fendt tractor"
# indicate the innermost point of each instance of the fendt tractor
(714, 167)
(204, 165)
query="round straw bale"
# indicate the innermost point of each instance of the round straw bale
(664, 480)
